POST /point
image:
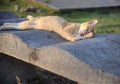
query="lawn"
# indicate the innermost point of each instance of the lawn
(109, 18)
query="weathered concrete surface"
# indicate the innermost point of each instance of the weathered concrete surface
(90, 61)
(78, 4)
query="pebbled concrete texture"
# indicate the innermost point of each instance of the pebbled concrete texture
(89, 61)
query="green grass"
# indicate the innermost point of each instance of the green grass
(109, 18)
(23, 4)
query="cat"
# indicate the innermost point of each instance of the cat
(68, 30)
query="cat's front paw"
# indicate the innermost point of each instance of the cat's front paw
(77, 38)
(89, 35)
(80, 37)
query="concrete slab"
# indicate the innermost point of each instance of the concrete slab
(89, 61)
(78, 4)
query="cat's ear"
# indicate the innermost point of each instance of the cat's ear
(92, 23)
(29, 17)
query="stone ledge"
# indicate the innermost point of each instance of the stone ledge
(90, 61)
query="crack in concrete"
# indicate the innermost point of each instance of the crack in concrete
(113, 40)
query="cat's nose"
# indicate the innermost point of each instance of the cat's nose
(81, 33)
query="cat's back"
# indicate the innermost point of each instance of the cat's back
(53, 18)
(51, 21)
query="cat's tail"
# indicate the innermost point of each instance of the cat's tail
(9, 26)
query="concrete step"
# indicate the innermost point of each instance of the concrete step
(89, 61)
(78, 4)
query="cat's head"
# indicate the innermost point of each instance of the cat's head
(87, 27)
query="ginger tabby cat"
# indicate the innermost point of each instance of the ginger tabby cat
(68, 30)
